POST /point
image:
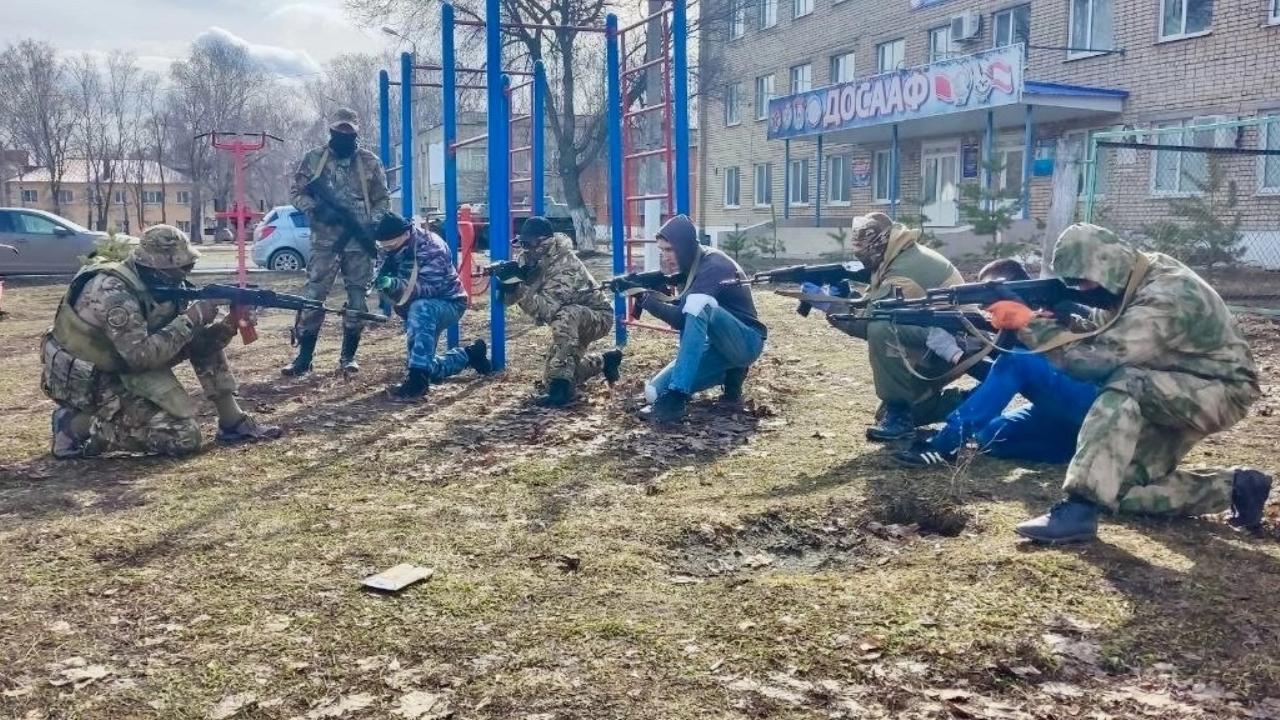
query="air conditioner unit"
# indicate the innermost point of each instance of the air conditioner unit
(966, 26)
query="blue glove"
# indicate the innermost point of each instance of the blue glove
(816, 289)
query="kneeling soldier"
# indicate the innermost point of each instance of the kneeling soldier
(109, 358)
(556, 289)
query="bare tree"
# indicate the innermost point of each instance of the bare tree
(40, 112)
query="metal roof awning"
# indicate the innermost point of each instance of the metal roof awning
(949, 97)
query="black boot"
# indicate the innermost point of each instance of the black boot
(612, 366)
(301, 364)
(733, 380)
(347, 359)
(1249, 491)
(414, 387)
(668, 408)
(478, 357)
(897, 424)
(559, 394)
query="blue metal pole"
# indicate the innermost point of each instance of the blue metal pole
(449, 109)
(786, 179)
(384, 117)
(537, 168)
(1028, 142)
(613, 102)
(817, 194)
(406, 134)
(499, 182)
(989, 173)
(893, 175)
(680, 102)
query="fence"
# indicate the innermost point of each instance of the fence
(1205, 191)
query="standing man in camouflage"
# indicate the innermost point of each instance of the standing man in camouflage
(556, 289)
(342, 188)
(109, 358)
(1174, 369)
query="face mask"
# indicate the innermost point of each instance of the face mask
(342, 144)
(157, 278)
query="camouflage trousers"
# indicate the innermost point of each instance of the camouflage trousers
(573, 330)
(887, 345)
(322, 271)
(1142, 424)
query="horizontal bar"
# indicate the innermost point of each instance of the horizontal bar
(653, 196)
(519, 86)
(640, 241)
(397, 83)
(644, 66)
(473, 70)
(470, 141)
(520, 181)
(522, 148)
(521, 118)
(644, 20)
(533, 26)
(1188, 148)
(646, 153)
(645, 109)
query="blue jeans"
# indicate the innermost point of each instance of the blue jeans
(425, 321)
(712, 342)
(1044, 431)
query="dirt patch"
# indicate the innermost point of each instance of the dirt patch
(928, 516)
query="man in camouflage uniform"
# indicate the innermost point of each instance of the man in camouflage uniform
(898, 261)
(355, 178)
(109, 358)
(556, 289)
(1173, 368)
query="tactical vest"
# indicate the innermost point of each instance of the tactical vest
(91, 344)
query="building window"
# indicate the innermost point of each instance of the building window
(1274, 17)
(764, 183)
(1183, 18)
(738, 22)
(732, 188)
(940, 47)
(798, 183)
(800, 8)
(472, 159)
(1008, 179)
(838, 180)
(118, 197)
(733, 104)
(768, 14)
(1102, 177)
(1269, 165)
(1011, 27)
(1176, 172)
(65, 197)
(1091, 28)
(881, 175)
(890, 55)
(184, 197)
(842, 68)
(802, 78)
(152, 197)
(30, 196)
(764, 93)
(185, 226)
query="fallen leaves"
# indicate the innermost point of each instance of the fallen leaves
(341, 706)
(422, 705)
(77, 672)
(228, 706)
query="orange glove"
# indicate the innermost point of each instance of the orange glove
(1010, 315)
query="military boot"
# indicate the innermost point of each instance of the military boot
(895, 425)
(559, 393)
(347, 364)
(670, 407)
(413, 389)
(301, 364)
(733, 380)
(245, 430)
(611, 365)
(478, 357)
(1249, 491)
(65, 443)
(1071, 520)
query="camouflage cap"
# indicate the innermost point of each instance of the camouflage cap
(164, 247)
(345, 120)
(1090, 252)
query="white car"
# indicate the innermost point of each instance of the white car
(282, 241)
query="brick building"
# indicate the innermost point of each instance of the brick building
(832, 108)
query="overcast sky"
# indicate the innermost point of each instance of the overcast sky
(289, 37)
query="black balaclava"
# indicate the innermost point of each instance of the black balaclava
(342, 144)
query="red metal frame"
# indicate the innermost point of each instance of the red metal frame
(239, 211)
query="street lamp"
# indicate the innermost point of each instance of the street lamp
(395, 33)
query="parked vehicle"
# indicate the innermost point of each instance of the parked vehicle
(282, 241)
(46, 244)
(556, 213)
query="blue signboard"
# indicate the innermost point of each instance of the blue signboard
(983, 80)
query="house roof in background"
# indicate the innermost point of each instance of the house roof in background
(77, 172)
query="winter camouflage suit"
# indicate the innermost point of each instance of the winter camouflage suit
(1174, 368)
(559, 291)
(361, 186)
(111, 353)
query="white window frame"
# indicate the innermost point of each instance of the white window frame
(1264, 133)
(900, 46)
(66, 197)
(30, 196)
(877, 196)
(1183, 34)
(767, 16)
(845, 165)
(765, 94)
(801, 8)
(808, 78)
(932, 55)
(733, 104)
(152, 197)
(185, 226)
(1273, 17)
(184, 197)
(734, 201)
(798, 181)
(1189, 127)
(118, 197)
(762, 199)
(837, 63)
(1090, 42)
(1005, 146)
(738, 20)
(1084, 136)
(1011, 12)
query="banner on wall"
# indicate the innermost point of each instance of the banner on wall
(972, 82)
(860, 176)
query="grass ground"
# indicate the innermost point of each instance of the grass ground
(765, 563)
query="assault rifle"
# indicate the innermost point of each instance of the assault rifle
(636, 282)
(954, 321)
(242, 299)
(838, 275)
(330, 211)
(1044, 293)
(508, 272)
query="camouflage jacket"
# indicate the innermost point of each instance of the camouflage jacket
(348, 186)
(554, 278)
(1174, 321)
(436, 277)
(141, 333)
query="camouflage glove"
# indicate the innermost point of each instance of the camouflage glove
(203, 312)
